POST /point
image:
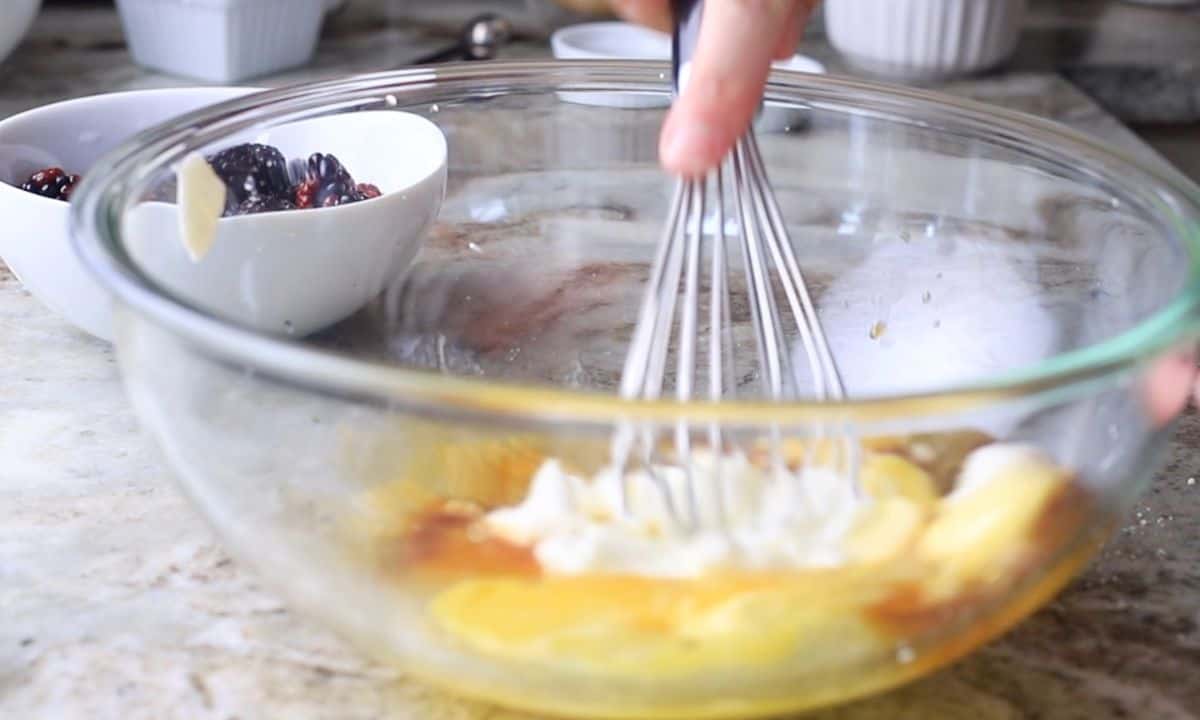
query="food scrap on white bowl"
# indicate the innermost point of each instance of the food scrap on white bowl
(626, 41)
(71, 136)
(295, 271)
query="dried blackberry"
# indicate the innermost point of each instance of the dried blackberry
(54, 183)
(252, 170)
(327, 170)
(337, 194)
(259, 204)
(305, 194)
(328, 183)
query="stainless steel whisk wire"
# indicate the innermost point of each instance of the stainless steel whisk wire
(764, 243)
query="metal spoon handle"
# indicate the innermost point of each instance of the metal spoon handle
(457, 50)
(479, 39)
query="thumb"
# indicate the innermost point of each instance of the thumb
(738, 39)
(1169, 384)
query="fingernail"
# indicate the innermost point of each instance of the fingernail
(687, 146)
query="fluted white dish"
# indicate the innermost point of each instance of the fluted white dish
(222, 40)
(924, 39)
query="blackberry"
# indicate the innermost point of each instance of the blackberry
(336, 194)
(252, 170)
(327, 169)
(305, 194)
(328, 183)
(258, 204)
(54, 183)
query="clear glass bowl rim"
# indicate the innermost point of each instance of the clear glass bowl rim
(98, 203)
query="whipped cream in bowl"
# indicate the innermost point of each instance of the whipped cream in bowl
(745, 518)
(724, 513)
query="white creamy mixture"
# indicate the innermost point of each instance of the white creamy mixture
(988, 463)
(772, 521)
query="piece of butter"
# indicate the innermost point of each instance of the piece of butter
(201, 204)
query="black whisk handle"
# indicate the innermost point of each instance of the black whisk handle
(686, 34)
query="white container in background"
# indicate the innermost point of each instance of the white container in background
(924, 39)
(622, 40)
(16, 17)
(222, 40)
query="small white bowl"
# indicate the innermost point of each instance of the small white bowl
(626, 41)
(599, 40)
(16, 17)
(297, 271)
(924, 40)
(222, 40)
(612, 41)
(36, 242)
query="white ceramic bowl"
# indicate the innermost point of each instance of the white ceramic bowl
(626, 41)
(222, 40)
(36, 242)
(612, 41)
(16, 16)
(922, 40)
(296, 272)
(599, 40)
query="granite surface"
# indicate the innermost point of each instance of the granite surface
(119, 603)
(1141, 63)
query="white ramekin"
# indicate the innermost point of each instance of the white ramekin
(924, 39)
(222, 40)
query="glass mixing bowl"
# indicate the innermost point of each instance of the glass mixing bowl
(983, 276)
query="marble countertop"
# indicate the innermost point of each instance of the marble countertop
(1142, 63)
(119, 603)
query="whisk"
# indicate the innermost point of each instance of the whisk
(672, 301)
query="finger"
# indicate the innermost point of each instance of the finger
(787, 44)
(1168, 386)
(801, 12)
(733, 56)
(654, 14)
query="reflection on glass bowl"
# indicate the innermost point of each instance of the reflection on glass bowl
(360, 469)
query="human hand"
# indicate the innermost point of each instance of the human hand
(1170, 384)
(738, 41)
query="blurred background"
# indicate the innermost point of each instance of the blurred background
(122, 598)
(1140, 61)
